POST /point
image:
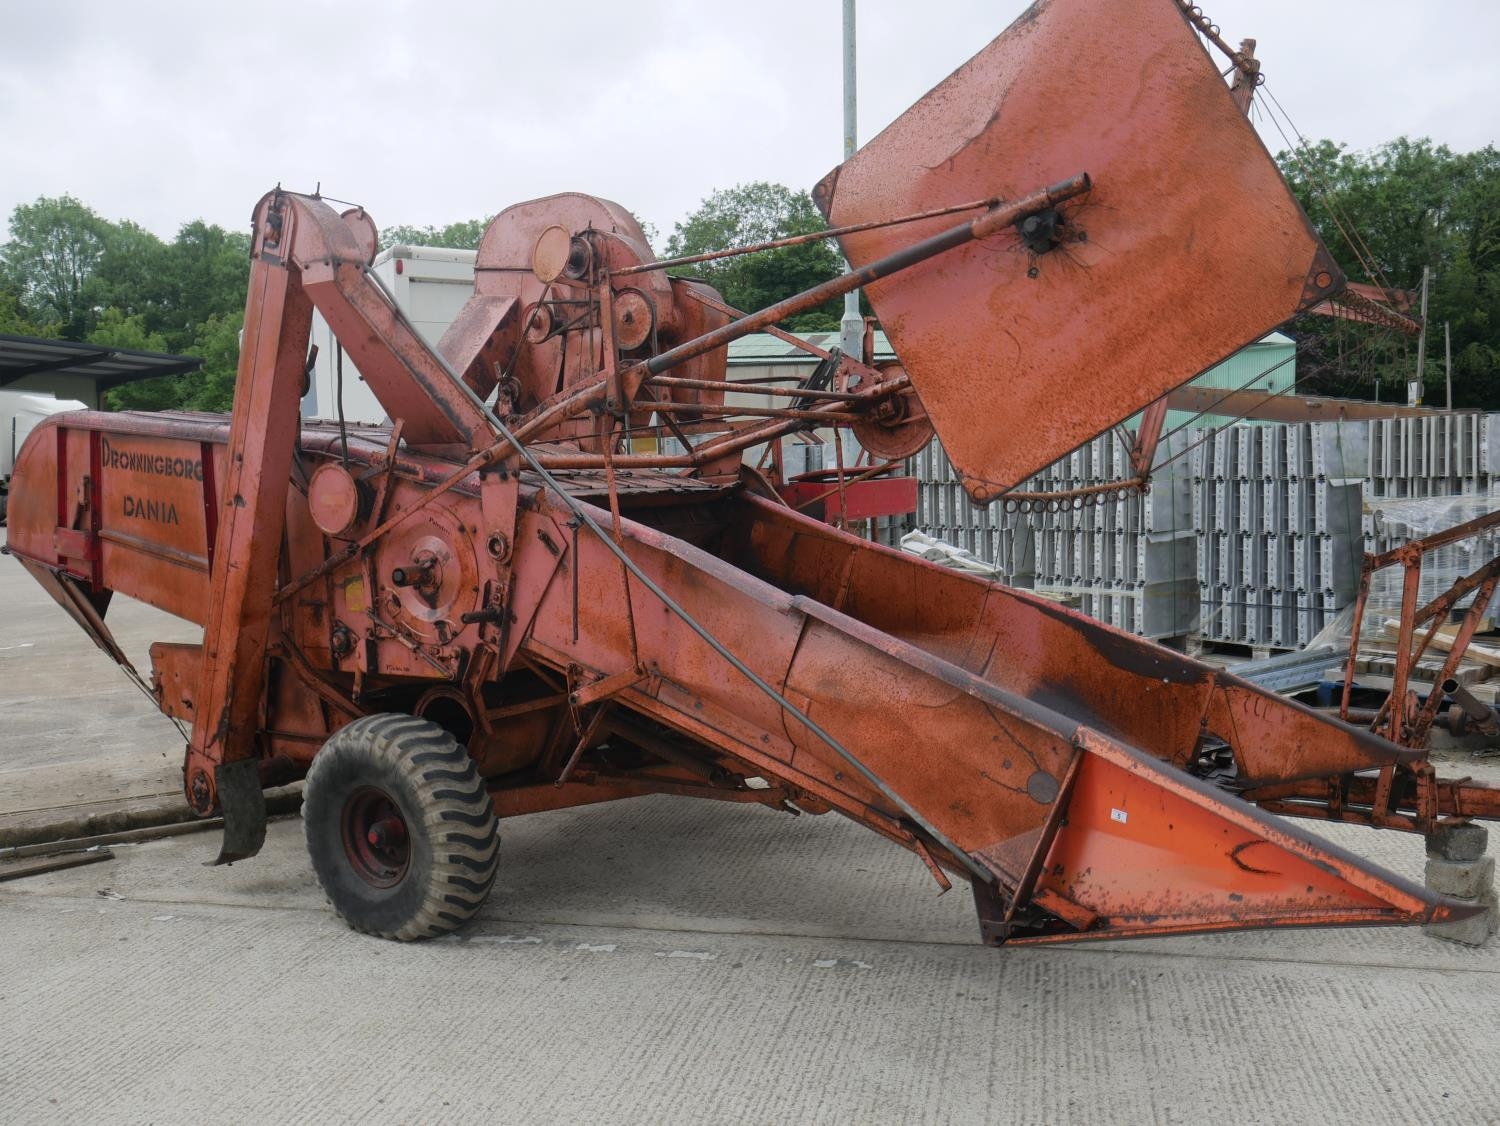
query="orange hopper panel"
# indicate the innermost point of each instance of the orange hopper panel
(1189, 246)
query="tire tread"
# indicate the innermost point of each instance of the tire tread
(458, 820)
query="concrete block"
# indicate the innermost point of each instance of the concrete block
(1463, 879)
(1472, 931)
(1458, 841)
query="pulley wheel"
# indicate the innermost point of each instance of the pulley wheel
(898, 427)
(634, 318)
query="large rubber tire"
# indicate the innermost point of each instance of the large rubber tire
(400, 829)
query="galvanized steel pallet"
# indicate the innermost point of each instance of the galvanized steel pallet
(1251, 535)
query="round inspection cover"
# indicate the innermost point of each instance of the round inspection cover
(549, 256)
(335, 500)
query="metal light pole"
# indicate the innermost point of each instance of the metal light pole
(1415, 388)
(1448, 364)
(852, 326)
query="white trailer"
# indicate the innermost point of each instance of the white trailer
(430, 284)
(20, 412)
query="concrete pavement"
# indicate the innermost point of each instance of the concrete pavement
(661, 960)
(667, 960)
(82, 749)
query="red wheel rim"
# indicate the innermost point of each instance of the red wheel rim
(375, 839)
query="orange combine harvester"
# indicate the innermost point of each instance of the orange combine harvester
(506, 602)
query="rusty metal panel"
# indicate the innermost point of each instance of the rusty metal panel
(861, 500)
(1188, 247)
(152, 504)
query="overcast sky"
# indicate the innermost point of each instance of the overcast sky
(428, 112)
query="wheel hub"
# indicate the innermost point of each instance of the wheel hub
(375, 837)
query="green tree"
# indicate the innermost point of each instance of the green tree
(68, 272)
(218, 343)
(131, 276)
(760, 212)
(55, 245)
(115, 328)
(14, 319)
(207, 270)
(462, 235)
(118, 329)
(1385, 214)
(211, 388)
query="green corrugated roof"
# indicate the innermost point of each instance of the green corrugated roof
(763, 348)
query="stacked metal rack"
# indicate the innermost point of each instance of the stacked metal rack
(1436, 456)
(1007, 541)
(1251, 535)
(1130, 561)
(1426, 475)
(1277, 513)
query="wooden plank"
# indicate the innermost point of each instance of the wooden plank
(20, 869)
(1443, 640)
